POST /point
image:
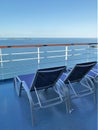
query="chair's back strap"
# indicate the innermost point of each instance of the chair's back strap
(45, 78)
(79, 71)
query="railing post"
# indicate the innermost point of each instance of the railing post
(1, 58)
(66, 55)
(38, 50)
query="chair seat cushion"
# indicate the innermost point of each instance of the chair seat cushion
(27, 78)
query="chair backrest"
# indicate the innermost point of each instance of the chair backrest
(45, 78)
(79, 71)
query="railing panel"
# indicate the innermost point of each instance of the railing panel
(53, 56)
(17, 61)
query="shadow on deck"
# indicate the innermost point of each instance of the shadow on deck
(15, 113)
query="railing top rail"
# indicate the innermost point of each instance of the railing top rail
(43, 45)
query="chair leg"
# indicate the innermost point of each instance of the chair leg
(69, 108)
(14, 82)
(68, 102)
(15, 86)
(95, 97)
(32, 115)
(20, 90)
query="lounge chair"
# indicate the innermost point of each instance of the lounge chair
(39, 86)
(78, 75)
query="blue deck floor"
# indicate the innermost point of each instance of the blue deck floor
(15, 113)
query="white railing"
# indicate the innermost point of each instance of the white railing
(17, 60)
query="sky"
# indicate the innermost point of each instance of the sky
(48, 18)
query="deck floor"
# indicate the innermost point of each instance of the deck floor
(15, 113)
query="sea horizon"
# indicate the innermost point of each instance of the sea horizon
(21, 41)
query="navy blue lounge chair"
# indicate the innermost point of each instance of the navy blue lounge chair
(78, 74)
(40, 82)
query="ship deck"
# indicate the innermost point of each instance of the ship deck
(15, 113)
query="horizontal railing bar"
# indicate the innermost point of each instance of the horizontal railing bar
(80, 49)
(56, 56)
(27, 59)
(4, 54)
(43, 45)
(55, 51)
(4, 61)
(23, 53)
(20, 59)
(58, 51)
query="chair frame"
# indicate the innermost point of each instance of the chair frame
(89, 85)
(21, 85)
(84, 81)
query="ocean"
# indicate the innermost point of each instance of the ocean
(27, 60)
(18, 41)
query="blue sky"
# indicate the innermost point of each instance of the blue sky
(48, 18)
